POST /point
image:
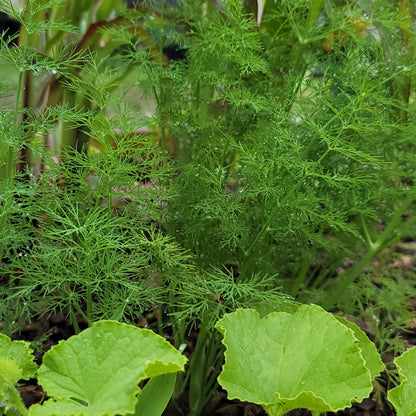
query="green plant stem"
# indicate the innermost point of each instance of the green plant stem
(390, 235)
(366, 233)
(10, 167)
(259, 236)
(315, 7)
(197, 374)
(74, 321)
(300, 278)
(403, 84)
(89, 305)
(162, 126)
(159, 309)
(201, 367)
(10, 156)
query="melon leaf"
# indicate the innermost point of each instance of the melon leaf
(98, 371)
(284, 361)
(369, 352)
(403, 397)
(16, 363)
(20, 353)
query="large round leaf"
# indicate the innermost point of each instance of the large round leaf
(285, 361)
(97, 372)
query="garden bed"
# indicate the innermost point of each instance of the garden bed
(188, 166)
(47, 331)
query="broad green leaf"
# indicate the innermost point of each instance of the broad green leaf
(10, 401)
(16, 363)
(284, 361)
(10, 371)
(97, 372)
(19, 353)
(369, 352)
(403, 397)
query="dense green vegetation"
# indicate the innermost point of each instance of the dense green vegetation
(171, 162)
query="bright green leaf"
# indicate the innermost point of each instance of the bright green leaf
(16, 363)
(97, 372)
(155, 395)
(368, 350)
(10, 401)
(403, 397)
(20, 353)
(284, 361)
(10, 370)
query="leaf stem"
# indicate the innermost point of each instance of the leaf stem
(389, 236)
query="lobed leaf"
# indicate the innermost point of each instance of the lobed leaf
(403, 397)
(369, 352)
(284, 361)
(11, 403)
(98, 371)
(16, 359)
(16, 363)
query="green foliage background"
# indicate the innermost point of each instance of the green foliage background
(271, 163)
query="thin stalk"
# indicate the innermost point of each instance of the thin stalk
(11, 151)
(197, 97)
(314, 12)
(109, 202)
(298, 51)
(403, 84)
(73, 320)
(162, 119)
(161, 81)
(321, 276)
(18, 94)
(89, 305)
(259, 236)
(215, 361)
(10, 167)
(25, 152)
(163, 134)
(390, 235)
(366, 233)
(179, 325)
(204, 370)
(300, 278)
(266, 226)
(80, 311)
(160, 318)
(198, 373)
